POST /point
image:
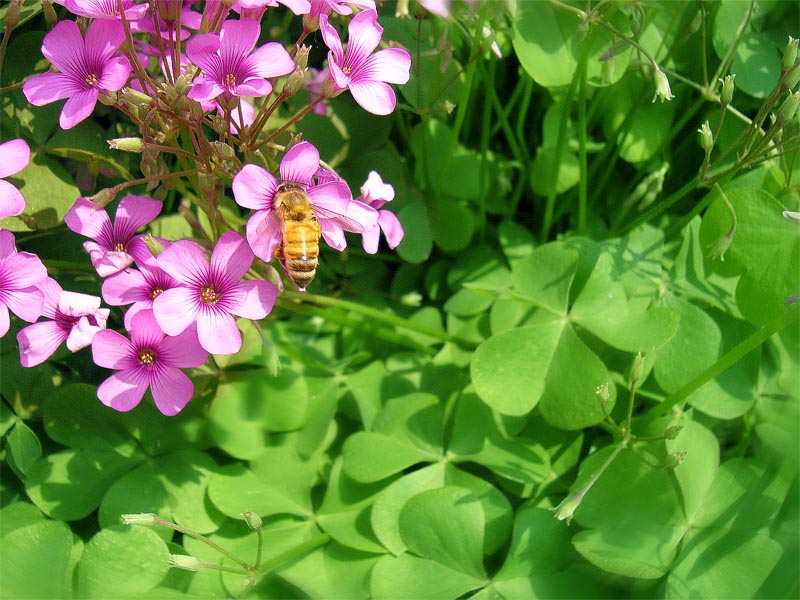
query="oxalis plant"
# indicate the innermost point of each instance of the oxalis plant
(416, 299)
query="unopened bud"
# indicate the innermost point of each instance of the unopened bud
(329, 88)
(143, 519)
(223, 151)
(726, 94)
(792, 77)
(706, 137)
(301, 59)
(135, 98)
(720, 246)
(637, 369)
(790, 54)
(674, 459)
(672, 432)
(103, 198)
(153, 245)
(568, 506)
(252, 519)
(184, 561)
(126, 144)
(582, 32)
(50, 16)
(169, 10)
(788, 109)
(791, 215)
(293, 82)
(12, 14)
(602, 394)
(401, 10)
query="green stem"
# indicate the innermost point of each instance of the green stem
(726, 362)
(583, 180)
(205, 540)
(378, 315)
(294, 553)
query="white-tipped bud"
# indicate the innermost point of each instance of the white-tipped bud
(143, 519)
(663, 91)
(126, 144)
(184, 561)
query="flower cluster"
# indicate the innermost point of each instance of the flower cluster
(200, 89)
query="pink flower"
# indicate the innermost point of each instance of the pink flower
(230, 67)
(326, 7)
(113, 246)
(106, 9)
(19, 274)
(75, 319)
(138, 288)
(365, 74)
(255, 9)
(148, 360)
(256, 188)
(87, 68)
(375, 193)
(15, 156)
(211, 294)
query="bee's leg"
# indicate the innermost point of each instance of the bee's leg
(279, 252)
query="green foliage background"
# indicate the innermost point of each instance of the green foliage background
(406, 430)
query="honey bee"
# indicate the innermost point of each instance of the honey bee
(298, 251)
(299, 248)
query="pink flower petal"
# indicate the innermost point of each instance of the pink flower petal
(205, 90)
(333, 234)
(374, 189)
(391, 227)
(186, 262)
(254, 187)
(83, 332)
(370, 239)
(5, 320)
(218, 333)
(38, 342)
(363, 36)
(231, 257)
(26, 304)
(183, 350)
(123, 391)
(145, 330)
(21, 270)
(45, 88)
(63, 46)
(7, 245)
(172, 390)
(373, 96)
(237, 39)
(264, 234)
(125, 287)
(391, 65)
(78, 108)
(74, 304)
(116, 73)
(360, 217)
(300, 163)
(270, 60)
(254, 299)
(11, 201)
(202, 51)
(176, 309)
(331, 38)
(133, 213)
(103, 39)
(16, 156)
(254, 88)
(87, 220)
(113, 351)
(107, 263)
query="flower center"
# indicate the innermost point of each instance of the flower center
(91, 79)
(346, 70)
(147, 356)
(119, 247)
(155, 292)
(209, 295)
(230, 80)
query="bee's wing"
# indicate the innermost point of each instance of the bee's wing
(332, 202)
(348, 222)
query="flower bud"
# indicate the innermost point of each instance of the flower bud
(663, 90)
(301, 59)
(329, 88)
(184, 561)
(126, 144)
(135, 98)
(153, 245)
(293, 82)
(706, 137)
(791, 216)
(720, 246)
(50, 16)
(788, 109)
(401, 10)
(672, 432)
(12, 14)
(726, 94)
(792, 77)
(103, 198)
(568, 506)
(790, 54)
(637, 369)
(674, 459)
(143, 519)
(252, 519)
(602, 394)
